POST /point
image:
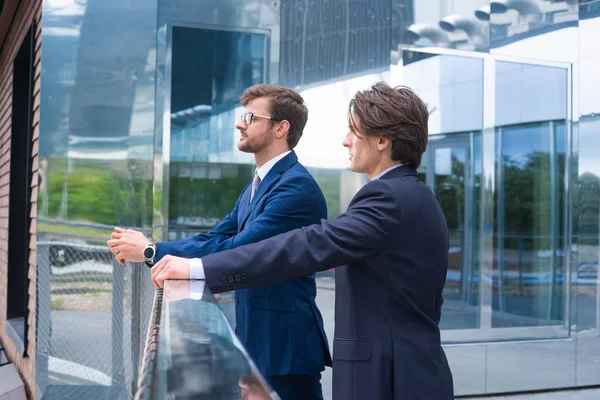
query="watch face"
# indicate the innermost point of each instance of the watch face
(148, 252)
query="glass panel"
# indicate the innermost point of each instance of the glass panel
(95, 166)
(199, 355)
(210, 70)
(449, 172)
(529, 270)
(586, 200)
(446, 83)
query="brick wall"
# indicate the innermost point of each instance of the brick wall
(27, 12)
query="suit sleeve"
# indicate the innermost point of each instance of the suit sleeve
(290, 206)
(361, 232)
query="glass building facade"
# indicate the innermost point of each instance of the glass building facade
(138, 105)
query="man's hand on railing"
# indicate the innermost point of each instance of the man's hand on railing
(170, 267)
(127, 245)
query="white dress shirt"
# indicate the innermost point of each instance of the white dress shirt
(196, 267)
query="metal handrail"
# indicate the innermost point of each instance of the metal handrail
(145, 381)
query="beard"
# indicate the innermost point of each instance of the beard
(256, 143)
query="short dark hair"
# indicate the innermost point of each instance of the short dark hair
(396, 113)
(284, 104)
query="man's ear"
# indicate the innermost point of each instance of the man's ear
(282, 128)
(383, 143)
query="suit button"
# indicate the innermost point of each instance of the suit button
(224, 279)
(237, 278)
(230, 279)
(243, 276)
(237, 302)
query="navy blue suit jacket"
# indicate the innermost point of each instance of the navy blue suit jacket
(392, 245)
(280, 325)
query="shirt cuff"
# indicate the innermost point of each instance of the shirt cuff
(196, 289)
(196, 269)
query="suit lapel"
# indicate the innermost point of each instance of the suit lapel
(244, 206)
(272, 177)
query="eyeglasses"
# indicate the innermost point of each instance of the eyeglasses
(247, 118)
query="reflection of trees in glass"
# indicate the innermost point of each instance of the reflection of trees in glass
(100, 192)
(531, 237)
(329, 181)
(215, 198)
(585, 210)
(449, 190)
(527, 193)
(206, 197)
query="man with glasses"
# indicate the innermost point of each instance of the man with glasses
(280, 325)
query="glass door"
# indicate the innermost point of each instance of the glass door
(448, 172)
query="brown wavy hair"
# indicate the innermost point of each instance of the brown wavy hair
(396, 113)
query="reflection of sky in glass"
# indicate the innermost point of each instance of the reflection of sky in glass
(521, 141)
(445, 157)
(518, 142)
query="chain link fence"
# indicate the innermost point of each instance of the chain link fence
(91, 318)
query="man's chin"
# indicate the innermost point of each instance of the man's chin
(244, 148)
(358, 170)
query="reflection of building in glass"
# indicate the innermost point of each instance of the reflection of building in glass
(328, 40)
(520, 18)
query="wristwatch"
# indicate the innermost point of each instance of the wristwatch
(150, 252)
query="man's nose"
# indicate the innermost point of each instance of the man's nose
(240, 125)
(346, 142)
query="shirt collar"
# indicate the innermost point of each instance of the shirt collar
(264, 170)
(379, 175)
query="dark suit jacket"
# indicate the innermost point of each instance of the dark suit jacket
(392, 243)
(280, 325)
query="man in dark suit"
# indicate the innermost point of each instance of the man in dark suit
(280, 325)
(392, 245)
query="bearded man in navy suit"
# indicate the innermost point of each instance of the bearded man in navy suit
(279, 325)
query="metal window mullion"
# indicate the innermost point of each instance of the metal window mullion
(488, 181)
(467, 264)
(553, 216)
